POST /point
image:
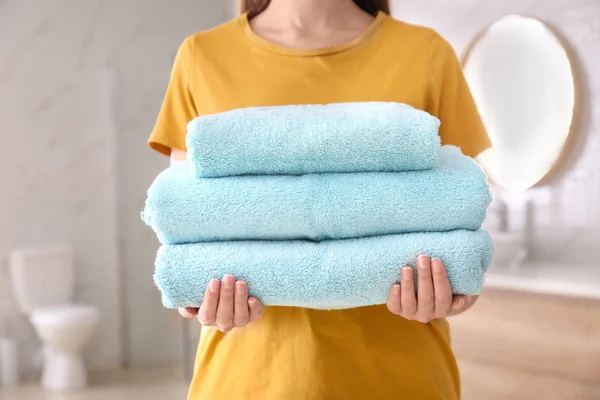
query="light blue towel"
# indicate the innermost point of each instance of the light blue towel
(302, 139)
(331, 274)
(184, 209)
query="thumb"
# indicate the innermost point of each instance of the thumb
(459, 303)
(188, 312)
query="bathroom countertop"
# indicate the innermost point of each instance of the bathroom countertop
(546, 278)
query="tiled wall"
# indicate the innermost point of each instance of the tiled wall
(80, 86)
(566, 213)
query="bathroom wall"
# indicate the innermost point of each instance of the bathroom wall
(566, 213)
(80, 85)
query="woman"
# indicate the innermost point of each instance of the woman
(322, 51)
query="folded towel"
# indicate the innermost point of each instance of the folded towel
(332, 274)
(301, 139)
(184, 209)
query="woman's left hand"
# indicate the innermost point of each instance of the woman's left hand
(434, 299)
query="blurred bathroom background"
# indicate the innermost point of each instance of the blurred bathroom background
(81, 83)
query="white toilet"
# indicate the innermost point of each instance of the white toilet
(43, 281)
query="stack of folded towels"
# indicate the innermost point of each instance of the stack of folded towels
(317, 206)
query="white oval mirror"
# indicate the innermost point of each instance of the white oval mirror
(522, 81)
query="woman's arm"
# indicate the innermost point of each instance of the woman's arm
(178, 156)
(449, 99)
(226, 304)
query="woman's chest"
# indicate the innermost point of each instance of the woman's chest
(269, 82)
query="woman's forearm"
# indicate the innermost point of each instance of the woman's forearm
(178, 156)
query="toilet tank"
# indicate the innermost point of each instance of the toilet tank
(42, 277)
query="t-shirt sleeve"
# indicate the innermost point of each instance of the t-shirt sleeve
(450, 99)
(178, 107)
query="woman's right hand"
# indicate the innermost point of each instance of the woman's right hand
(226, 305)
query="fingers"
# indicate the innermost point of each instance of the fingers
(224, 319)
(241, 313)
(226, 305)
(434, 296)
(408, 300)
(256, 309)
(394, 302)
(426, 296)
(208, 309)
(441, 288)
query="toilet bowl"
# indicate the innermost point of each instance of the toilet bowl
(43, 281)
(65, 331)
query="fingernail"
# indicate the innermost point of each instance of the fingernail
(213, 286)
(406, 272)
(240, 287)
(396, 290)
(422, 261)
(437, 265)
(228, 282)
(253, 303)
(459, 304)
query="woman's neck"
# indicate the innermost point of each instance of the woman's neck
(311, 23)
(312, 14)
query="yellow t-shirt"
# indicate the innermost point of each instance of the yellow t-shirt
(304, 354)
